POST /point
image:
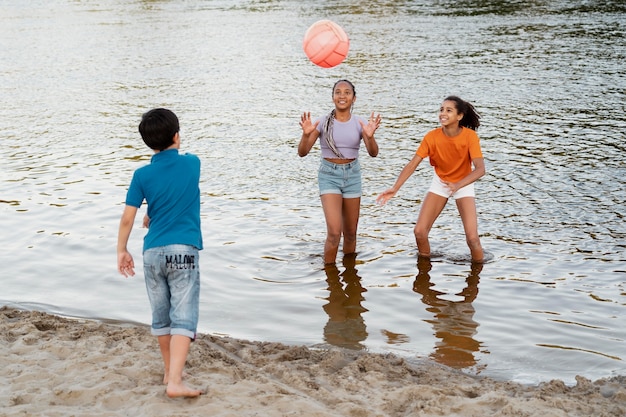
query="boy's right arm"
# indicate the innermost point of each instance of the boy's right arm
(125, 263)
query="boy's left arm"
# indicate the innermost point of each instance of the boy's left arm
(125, 263)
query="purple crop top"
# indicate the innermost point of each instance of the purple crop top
(347, 137)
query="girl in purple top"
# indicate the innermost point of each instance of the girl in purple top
(339, 175)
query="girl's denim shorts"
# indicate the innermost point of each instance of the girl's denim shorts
(344, 179)
(172, 277)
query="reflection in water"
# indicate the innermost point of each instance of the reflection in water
(453, 321)
(345, 327)
(106, 61)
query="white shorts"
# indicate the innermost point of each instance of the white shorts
(439, 188)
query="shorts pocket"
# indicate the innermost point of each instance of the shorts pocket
(324, 169)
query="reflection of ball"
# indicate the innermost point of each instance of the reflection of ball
(326, 43)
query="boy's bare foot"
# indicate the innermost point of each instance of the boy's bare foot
(181, 390)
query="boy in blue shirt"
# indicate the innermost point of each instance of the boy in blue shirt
(170, 187)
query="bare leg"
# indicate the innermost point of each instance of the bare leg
(467, 210)
(164, 346)
(332, 205)
(351, 209)
(179, 348)
(431, 208)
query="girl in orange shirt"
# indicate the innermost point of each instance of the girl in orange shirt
(452, 150)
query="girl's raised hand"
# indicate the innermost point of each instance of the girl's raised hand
(305, 123)
(372, 124)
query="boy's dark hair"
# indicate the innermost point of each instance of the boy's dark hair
(158, 127)
(471, 118)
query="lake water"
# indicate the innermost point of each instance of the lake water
(548, 78)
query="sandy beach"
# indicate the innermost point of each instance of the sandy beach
(57, 366)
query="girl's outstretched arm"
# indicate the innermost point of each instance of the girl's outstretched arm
(406, 172)
(309, 134)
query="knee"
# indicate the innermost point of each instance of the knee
(333, 238)
(420, 234)
(349, 235)
(473, 242)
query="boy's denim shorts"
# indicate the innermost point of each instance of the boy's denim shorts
(438, 187)
(172, 278)
(344, 179)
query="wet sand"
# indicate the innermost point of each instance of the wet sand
(57, 366)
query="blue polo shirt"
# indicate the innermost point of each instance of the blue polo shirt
(170, 187)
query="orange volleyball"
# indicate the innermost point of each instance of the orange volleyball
(326, 43)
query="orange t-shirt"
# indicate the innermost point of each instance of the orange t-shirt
(450, 156)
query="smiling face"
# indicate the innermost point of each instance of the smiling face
(343, 96)
(449, 116)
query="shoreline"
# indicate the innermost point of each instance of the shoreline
(57, 366)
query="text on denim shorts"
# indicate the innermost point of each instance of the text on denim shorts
(180, 262)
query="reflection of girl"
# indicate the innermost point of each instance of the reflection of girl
(453, 322)
(452, 149)
(339, 174)
(345, 327)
